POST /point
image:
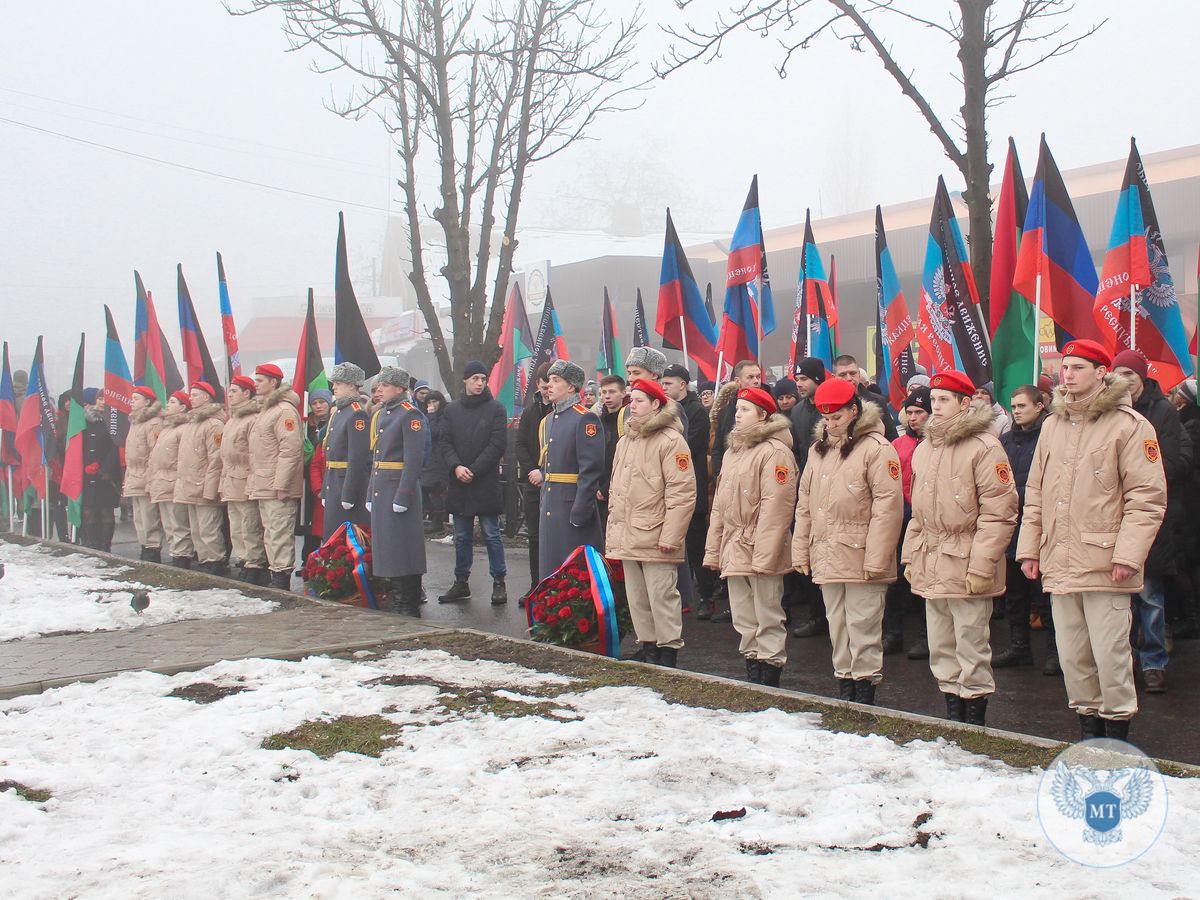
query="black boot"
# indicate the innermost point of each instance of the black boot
(919, 648)
(1018, 652)
(282, 580)
(1091, 727)
(864, 691)
(753, 675)
(667, 657)
(499, 593)
(892, 643)
(814, 627)
(644, 652)
(1116, 729)
(770, 674)
(181, 562)
(722, 617)
(704, 610)
(956, 709)
(460, 592)
(845, 688)
(216, 567)
(257, 576)
(977, 710)
(1052, 666)
(151, 554)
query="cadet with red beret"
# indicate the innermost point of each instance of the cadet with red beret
(276, 470)
(245, 522)
(198, 482)
(145, 423)
(848, 517)
(748, 535)
(964, 508)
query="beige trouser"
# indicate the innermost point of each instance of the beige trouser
(1092, 631)
(652, 589)
(174, 518)
(246, 533)
(147, 522)
(960, 650)
(279, 532)
(205, 523)
(855, 613)
(756, 602)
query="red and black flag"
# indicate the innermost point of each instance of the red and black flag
(196, 357)
(153, 362)
(351, 340)
(310, 366)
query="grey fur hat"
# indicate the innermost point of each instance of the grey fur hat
(347, 373)
(392, 375)
(568, 372)
(647, 358)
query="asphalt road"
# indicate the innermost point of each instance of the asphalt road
(1025, 700)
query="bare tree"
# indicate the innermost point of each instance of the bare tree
(472, 97)
(991, 45)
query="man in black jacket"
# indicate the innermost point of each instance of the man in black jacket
(1149, 613)
(846, 367)
(473, 442)
(809, 374)
(528, 470)
(101, 476)
(675, 382)
(746, 374)
(1020, 442)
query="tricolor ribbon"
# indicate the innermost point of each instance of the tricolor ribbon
(355, 539)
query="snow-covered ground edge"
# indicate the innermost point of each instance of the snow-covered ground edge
(48, 592)
(612, 795)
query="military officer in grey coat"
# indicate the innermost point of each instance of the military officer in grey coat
(347, 451)
(572, 455)
(398, 432)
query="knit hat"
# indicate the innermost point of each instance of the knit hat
(1089, 350)
(347, 373)
(421, 383)
(651, 389)
(785, 387)
(568, 372)
(184, 398)
(759, 398)
(710, 386)
(245, 382)
(647, 358)
(320, 394)
(918, 397)
(1188, 390)
(473, 368)
(833, 394)
(677, 371)
(271, 371)
(1132, 359)
(392, 375)
(204, 386)
(146, 392)
(90, 396)
(952, 380)
(811, 367)
(917, 381)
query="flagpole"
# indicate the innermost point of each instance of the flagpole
(8, 475)
(1037, 325)
(46, 507)
(683, 339)
(1132, 316)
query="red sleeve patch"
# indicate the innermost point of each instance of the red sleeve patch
(360, 425)
(1152, 452)
(415, 423)
(683, 461)
(781, 474)
(289, 424)
(590, 429)
(1003, 473)
(894, 469)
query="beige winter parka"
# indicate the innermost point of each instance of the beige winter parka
(748, 531)
(162, 466)
(235, 451)
(277, 447)
(199, 478)
(850, 508)
(652, 493)
(144, 426)
(1096, 493)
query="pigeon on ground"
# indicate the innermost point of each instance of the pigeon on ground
(1, 570)
(139, 601)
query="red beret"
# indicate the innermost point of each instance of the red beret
(651, 389)
(146, 392)
(759, 398)
(952, 380)
(182, 397)
(1045, 383)
(1132, 359)
(245, 382)
(1089, 350)
(204, 386)
(270, 370)
(832, 394)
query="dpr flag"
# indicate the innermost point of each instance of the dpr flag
(894, 334)
(1011, 317)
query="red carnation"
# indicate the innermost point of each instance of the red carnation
(584, 626)
(564, 612)
(539, 615)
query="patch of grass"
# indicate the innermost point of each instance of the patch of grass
(33, 795)
(365, 735)
(480, 701)
(206, 692)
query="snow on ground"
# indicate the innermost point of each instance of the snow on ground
(156, 796)
(42, 593)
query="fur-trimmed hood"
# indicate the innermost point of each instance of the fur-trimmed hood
(870, 419)
(152, 411)
(776, 426)
(174, 420)
(976, 420)
(249, 408)
(1114, 393)
(667, 417)
(280, 395)
(726, 395)
(204, 413)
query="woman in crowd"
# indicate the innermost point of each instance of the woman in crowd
(245, 525)
(145, 422)
(748, 534)
(435, 476)
(162, 471)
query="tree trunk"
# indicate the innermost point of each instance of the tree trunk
(976, 168)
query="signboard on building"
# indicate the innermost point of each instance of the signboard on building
(537, 279)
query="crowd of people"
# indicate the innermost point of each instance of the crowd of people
(804, 505)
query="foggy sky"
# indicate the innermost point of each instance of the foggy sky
(187, 83)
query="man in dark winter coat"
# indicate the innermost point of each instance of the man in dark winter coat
(101, 476)
(746, 374)
(529, 469)
(1022, 595)
(809, 375)
(1182, 602)
(1176, 449)
(473, 442)
(347, 448)
(846, 367)
(675, 383)
(435, 477)
(613, 411)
